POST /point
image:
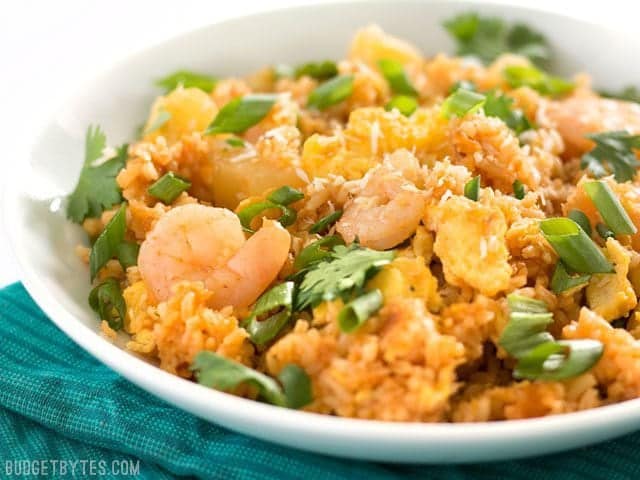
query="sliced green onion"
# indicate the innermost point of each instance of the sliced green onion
(325, 222)
(559, 360)
(403, 103)
(318, 70)
(241, 114)
(472, 189)
(462, 102)
(463, 84)
(357, 311)
(297, 386)
(285, 195)
(574, 247)
(520, 303)
(561, 281)
(332, 92)
(528, 320)
(522, 76)
(168, 187)
(581, 219)
(235, 142)
(278, 302)
(539, 355)
(282, 70)
(161, 118)
(128, 254)
(280, 199)
(188, 80)
(397, 77)
(316, 251)
(106, 300)
(531, 363)
(524, 331)
(216, 371)
(246, 215)
(609, 207)
(604, 231)
(519, 189)
(107, 243)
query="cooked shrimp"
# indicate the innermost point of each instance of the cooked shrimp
(199, 243)
(578, 116)
(388, 207)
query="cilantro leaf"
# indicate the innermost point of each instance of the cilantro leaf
(629, 94)
(97, 189)
(613, 153)
(489, 37)
(500, 106)
(529, 43)
(344, 271)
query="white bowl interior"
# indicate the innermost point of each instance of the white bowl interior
(119, 100)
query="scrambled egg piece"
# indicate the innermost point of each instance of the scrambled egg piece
(408, 277)
(619, 368)
(470, 242)
(612, 296)
(184, 110)
(140, 319)
(370, 134)
(371, 44)
(473, 323)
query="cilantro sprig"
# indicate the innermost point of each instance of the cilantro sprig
(613, 153)
(489, 37)
(340, 274)
(97, 189)
(501, 106)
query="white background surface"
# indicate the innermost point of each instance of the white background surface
(47, 48)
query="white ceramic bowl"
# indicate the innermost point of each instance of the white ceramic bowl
(119, 100)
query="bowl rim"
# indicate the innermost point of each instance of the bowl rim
(199, 399)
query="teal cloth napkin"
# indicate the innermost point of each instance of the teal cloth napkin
(59, 404)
